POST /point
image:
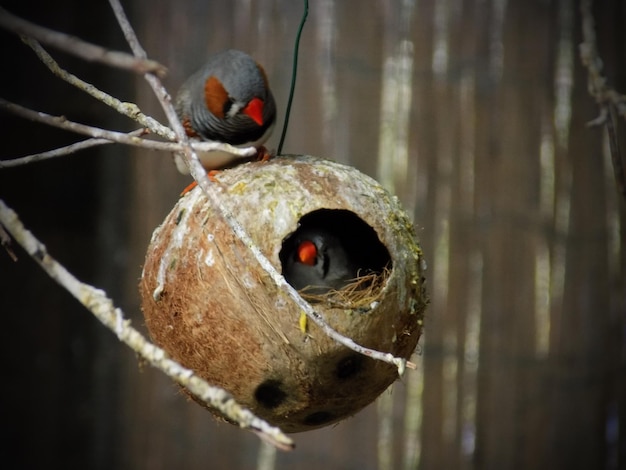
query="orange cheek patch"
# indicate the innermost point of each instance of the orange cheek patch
(215, 96)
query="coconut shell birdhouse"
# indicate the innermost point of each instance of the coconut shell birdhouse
(335, 235)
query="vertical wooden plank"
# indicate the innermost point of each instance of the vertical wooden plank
(509, 213)
(580, 349)
(424, 140)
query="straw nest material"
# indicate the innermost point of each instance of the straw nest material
(211, 306)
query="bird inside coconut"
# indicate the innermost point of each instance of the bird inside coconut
(335, 257)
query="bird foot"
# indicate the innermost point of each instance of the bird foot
(263, 155)
(211, 175)
(192, 185)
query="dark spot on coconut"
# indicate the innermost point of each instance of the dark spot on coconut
(318, 418)
(270, 394)
(349, 366)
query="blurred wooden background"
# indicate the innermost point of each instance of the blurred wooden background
(473, 112)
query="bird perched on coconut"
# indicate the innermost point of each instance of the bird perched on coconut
(227, 100)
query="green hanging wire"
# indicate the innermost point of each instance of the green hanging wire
(293, 76)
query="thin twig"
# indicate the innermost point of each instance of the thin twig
(78, 47)
(616, 156)
(96, 301)
(606, 97)
(198, 173)
(63, 123)
(120, 137)
(59, 152)
(590, 58)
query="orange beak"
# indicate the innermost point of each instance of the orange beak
(255, 110)
(307, 252)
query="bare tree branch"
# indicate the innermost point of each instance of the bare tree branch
(606, 97)
(78, 47)
(131, 138)
(63, 123)
(598, 88)
(96, 301)
(616, 155)
(130, 110)
(198, 173)
(60, 152)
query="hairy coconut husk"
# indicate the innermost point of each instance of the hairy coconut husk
(210, 305)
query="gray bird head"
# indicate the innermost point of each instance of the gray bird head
(227, 100)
